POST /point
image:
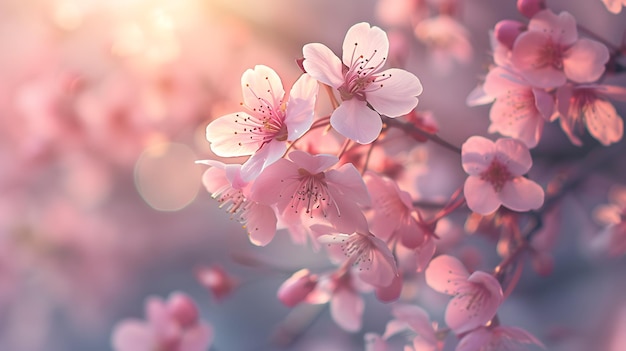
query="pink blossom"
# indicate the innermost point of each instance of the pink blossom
(225, 184)
(497, 339)
(358, 79)
(413, 319)
(507, 31)
(446, 39)
(476, 296)
(519, 110)
(296, 289)
(267, 122)
(215, 279)
(587, 105)
(614, 6)
(305, 185)
(393, 212)
(370, 258)
(171, 325)
(612, 238)
(496, 176)
(529, 8)
(550, 52)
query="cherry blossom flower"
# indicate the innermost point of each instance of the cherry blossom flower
(360, 82)
(496, 176)
(614, 6)
(267, 122)
(529, 8)
(587, 105)
(497, 339)
(446, 39)
(171, 325)
(370, 258)
(305, 185)
(225, 184)
(612, 238)
(550, 52)
(476, 296)
(296, 289)
(413, 319)
(393, 212)
(519, 110)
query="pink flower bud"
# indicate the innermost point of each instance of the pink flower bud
(543, 263)
(217, 280)
(183, 310)
(295, 289)
(529, 8)
(506, 32)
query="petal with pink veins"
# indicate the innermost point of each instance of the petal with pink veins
(602, 122)
(367, 42)
(475, 304)
(446, 274)
(261, 87)
(227, 136)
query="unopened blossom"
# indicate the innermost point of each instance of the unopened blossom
(476, 297)
(217, 281)
(370, 258)
(305, 185)
(497, 338)
(269, 120)
(171, 325)
(225, 184)
(296, 289)
(519, 110)
(529, 8)
(550, 52)
(360, 82)
(496, 176)
(507, 31)
(588, 106)
(614, 6)
(393, 213)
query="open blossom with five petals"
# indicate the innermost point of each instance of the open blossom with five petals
(305, 186)
(360, 82)
(476, 296)
(171, 325)
(497, 338)
(224, 183)
(550, 52)
(267, 122)
(588, 105)
(496, 176)
(519, 110)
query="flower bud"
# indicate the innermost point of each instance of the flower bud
(506, 31)
(529, 8)
(295, 289)
(183, 310)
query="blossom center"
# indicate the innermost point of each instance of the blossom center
(497, 174)
(312, 193)
(550, 55)
(360, 77)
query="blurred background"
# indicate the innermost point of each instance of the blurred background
(103, 110)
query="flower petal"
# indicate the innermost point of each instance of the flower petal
(476, 303)
(514, 155)
(521, 194)
(261, 224)
(584, 61)
(602, 122)
(363, 41)
(228, 138)
(446, 274)
(132, 335)
(528, 56)
(354, 120)
(322, 64)
(346, 308)
(265, 156)
(480, 196)
(262, 88)
(561, 28)
(476, 154)
(301, 106)
(395, 92)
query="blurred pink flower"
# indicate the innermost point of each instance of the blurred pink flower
(267, 122)
(171, 325)
(392, 92)
(416, 322)
(305, 185)
(446, 39)
(296, 289)
(550, 52)
(476, 297)
(496, 176)
(215, 279)
(587, 105)
(519, 110)
(614, 6)
(497, 339)
(612, 238)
